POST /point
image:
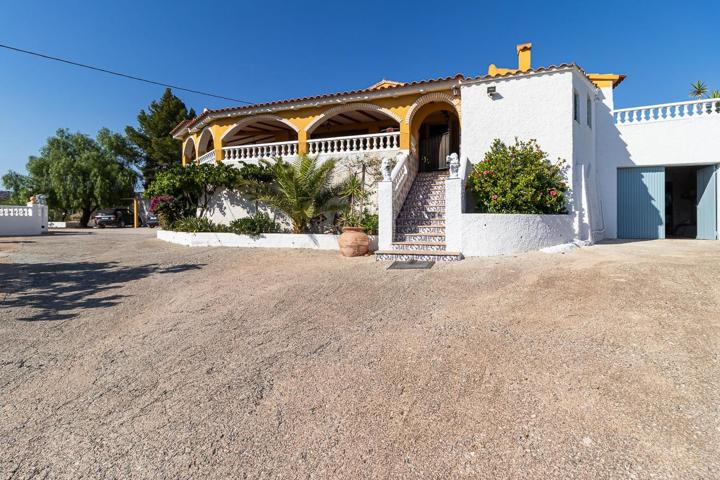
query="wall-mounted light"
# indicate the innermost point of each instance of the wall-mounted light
(492, 92)
(456, 91)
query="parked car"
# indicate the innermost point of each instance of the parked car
(151, 220)
(117, 217)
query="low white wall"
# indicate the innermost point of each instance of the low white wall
(485, 234)
(16, 220)
(265, 240)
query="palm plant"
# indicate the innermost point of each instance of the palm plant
(301, 190)
(698, 89)
(716, 94)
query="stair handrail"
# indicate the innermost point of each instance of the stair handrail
(402, 177)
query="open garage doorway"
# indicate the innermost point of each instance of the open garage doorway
(691, 202)
(668, 202)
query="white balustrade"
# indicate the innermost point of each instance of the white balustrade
(260, 150)
(355, 143)
(16, 211)
(209, 157)
(402, 177)
(667, 111)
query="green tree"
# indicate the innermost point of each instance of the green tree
(302, 190)
(77, 172)
(518, 179)
(698, 89)
(159, 149)
(20, 187)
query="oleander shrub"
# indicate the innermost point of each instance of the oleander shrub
(519, 178)
(254, 225)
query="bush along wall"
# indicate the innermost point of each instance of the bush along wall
(519, 179)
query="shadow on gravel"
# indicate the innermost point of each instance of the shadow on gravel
(57, 291)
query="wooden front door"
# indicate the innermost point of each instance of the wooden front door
(434, 148)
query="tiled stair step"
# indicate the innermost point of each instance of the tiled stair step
(416, 222)
(417, 255)
(420, 229)
(427, 186)
(415, 214)
(420, 237)
(425, 198)
(428, 246)
(419, 183)
(430, 207)
(425, 195)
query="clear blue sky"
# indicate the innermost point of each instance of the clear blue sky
(271, 50)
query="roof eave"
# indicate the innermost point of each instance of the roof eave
(360, 95)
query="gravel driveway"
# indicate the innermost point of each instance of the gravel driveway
(125, 357)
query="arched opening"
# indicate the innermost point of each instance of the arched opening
(360, 127)
(259, 131)
(206, 142)
(352, 120)
(436, 134)
(189, 151)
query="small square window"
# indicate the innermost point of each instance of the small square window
(576, 107)
(588, 106)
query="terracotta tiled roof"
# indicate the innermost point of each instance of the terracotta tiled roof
(179, 126)
(241, 108)
(373, 88)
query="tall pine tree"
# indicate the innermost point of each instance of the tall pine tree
(159, 149)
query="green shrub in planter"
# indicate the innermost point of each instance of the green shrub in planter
(197, 225)
(518, 179)
(255, 225)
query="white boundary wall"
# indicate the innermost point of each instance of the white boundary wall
(16, 220)
(485, 234)
(265, 240)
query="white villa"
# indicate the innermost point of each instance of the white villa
(642, 173)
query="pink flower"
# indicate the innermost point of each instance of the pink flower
(494, 197)
(486, 172)
(553, 193)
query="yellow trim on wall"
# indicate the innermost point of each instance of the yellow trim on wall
(606, 80)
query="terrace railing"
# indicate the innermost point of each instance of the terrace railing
(355, 143)
(667, 111)
(209, 157)
(260, 150)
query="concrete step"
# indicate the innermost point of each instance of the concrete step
(417, 255)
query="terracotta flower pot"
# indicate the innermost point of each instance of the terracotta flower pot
(353, 242)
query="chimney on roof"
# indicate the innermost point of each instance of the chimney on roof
(524, 52)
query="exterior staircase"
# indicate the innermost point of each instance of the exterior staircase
(420, 225)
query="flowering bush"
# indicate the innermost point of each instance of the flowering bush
(168, 209)
(518, 179)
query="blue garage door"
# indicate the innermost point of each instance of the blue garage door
(707, 203)
(641, 202)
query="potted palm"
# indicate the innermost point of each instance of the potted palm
(354, 240)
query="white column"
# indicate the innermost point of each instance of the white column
(453, 206)
(386, 220)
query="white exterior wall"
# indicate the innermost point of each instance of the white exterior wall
(675, 142)
(227, 205)
(534, 107)
(19, 221)
(486, 234)
(539, 107)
